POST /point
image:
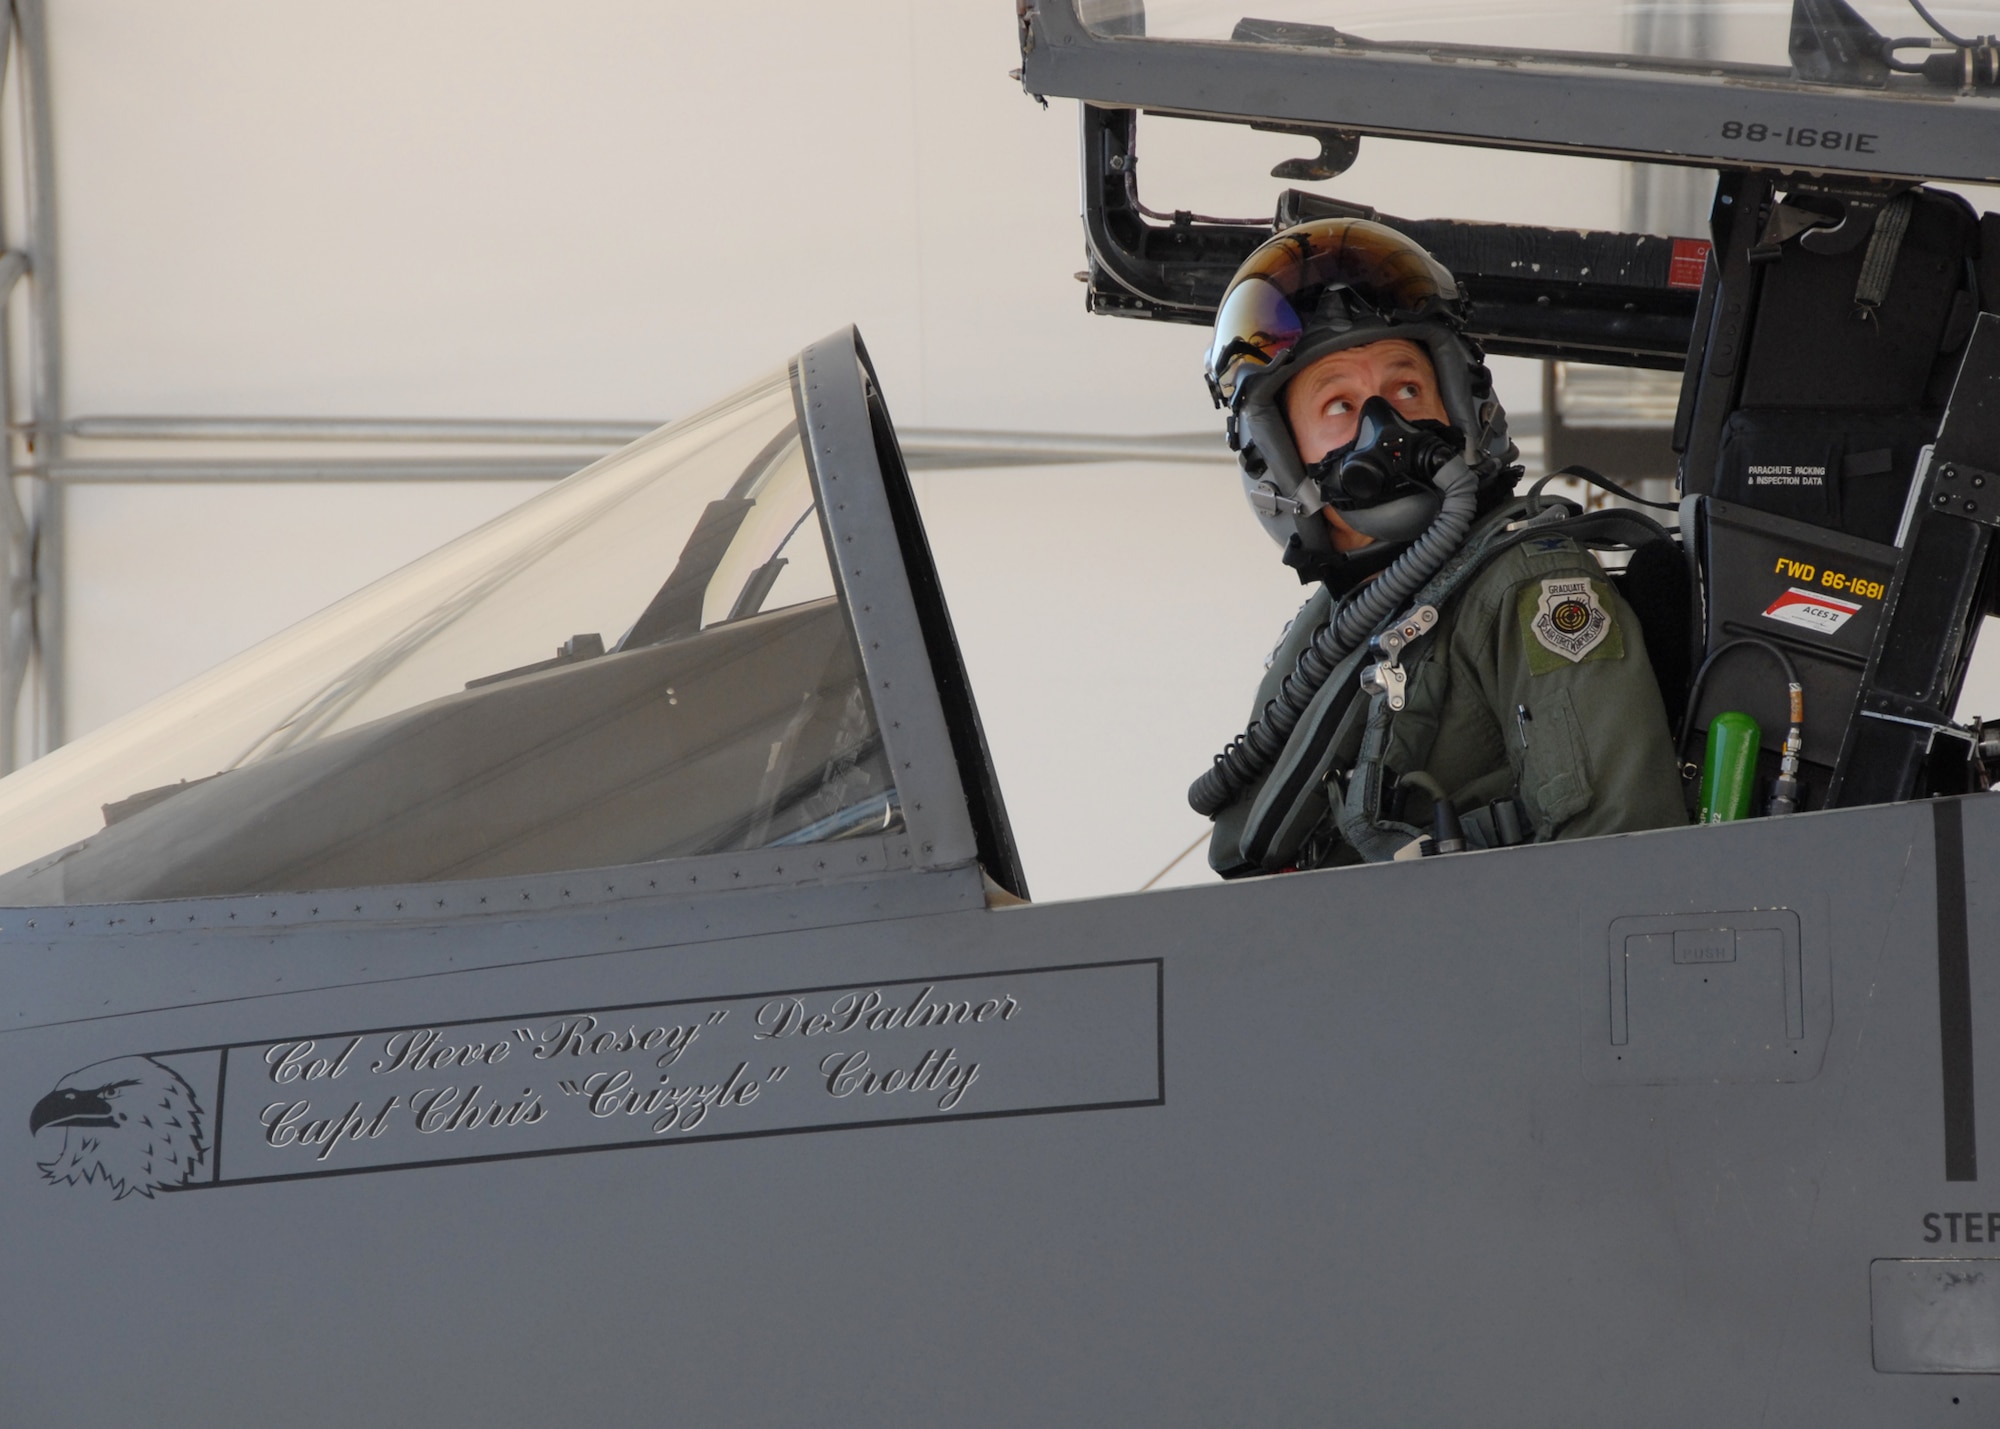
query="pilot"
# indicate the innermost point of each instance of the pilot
(1464, 674)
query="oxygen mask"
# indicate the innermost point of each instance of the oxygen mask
(1381, 482)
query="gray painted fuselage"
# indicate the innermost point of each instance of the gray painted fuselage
(1351, 1145)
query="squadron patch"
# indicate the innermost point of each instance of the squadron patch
(1568, 620)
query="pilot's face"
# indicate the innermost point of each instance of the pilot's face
(1323, 404)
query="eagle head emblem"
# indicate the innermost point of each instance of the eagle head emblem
(131, 1123)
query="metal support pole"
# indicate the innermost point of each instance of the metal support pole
(17, 566)
(471, 432)
(932, 448)
(17, 561)
(17, 604)
(85, 472)
(31, 18)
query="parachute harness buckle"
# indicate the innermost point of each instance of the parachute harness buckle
(1386, 675)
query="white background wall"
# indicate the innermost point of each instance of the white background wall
(613, 209)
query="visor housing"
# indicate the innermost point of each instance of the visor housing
(1331, 272)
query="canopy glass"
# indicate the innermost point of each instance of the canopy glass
(649, 660)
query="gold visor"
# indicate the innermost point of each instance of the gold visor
(1260, 317)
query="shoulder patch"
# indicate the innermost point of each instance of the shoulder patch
(1567, 620)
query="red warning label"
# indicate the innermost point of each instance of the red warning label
(1810, 610)
(1684, 268)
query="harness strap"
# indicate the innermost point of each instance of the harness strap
(1879, 261)
(1373, 837)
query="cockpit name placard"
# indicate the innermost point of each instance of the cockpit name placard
(958, 1047)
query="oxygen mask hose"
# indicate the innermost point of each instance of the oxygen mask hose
(1253, 752)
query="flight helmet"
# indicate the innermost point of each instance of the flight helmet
(1322, 287)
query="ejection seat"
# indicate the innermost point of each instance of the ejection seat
(1834, 321)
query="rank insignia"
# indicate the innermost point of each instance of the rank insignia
(1569, 621)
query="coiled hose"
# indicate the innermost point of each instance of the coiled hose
(1254, 751)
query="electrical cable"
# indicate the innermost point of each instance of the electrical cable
(1967, 65)
(1918, 42)
(1931, 20)
(1584, 474)
(1132, 197)
(1785, 800)
(1131, 172)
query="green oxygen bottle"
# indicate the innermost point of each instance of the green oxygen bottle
(1729, 774)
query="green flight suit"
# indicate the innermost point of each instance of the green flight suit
(1535, 684)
